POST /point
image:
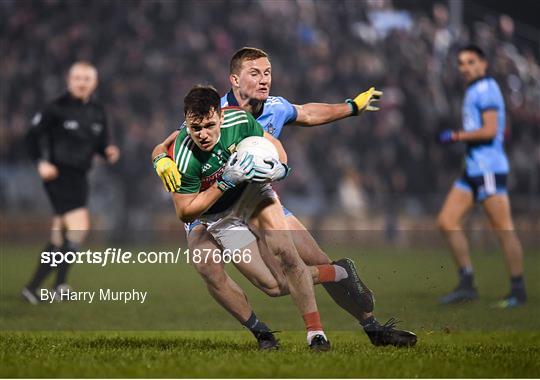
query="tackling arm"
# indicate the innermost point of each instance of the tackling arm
(164, 146)
(165, 167)
(312, 114)
(281, 151)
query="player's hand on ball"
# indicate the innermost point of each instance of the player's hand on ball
(47, 171)
(167, 170)
(238, 169)
(365, 101)
(274, 171)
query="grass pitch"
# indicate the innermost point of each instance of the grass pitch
(193, 337)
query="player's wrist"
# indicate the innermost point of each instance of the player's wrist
(157, 158)
(224, 184)
(353, 106)
(286, 171)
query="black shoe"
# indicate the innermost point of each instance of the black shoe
(459, 295)
(267, 340)
(514, 299)
(355, 287)
(387, 335)
(319, 343)
(30, 296)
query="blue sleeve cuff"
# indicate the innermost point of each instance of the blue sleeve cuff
(294, 115)
(489, 108)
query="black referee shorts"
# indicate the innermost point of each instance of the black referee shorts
(68, 191)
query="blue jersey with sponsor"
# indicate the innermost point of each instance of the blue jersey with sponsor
(275, 113)
(484, 156)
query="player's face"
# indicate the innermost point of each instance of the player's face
(471, 66)
(82, 81)
(254, 79)
(205, 133)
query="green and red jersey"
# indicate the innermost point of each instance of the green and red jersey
(201, 169)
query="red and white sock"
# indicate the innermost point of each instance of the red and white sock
(313, 325)
(331, 273)
(311, 334)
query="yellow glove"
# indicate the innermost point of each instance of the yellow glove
(167, 170)
(364, 101)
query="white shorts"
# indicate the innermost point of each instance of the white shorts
(230, 228)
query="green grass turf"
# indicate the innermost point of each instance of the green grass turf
(191, 336)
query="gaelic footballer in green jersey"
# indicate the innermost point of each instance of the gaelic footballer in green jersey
(201, 169)
(204, 152)
(213, 188)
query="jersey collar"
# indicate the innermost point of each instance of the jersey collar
(231, 101)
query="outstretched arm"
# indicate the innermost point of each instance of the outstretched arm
(312, 114)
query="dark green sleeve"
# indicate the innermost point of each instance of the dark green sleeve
(189, 184)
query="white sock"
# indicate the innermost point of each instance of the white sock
(311, 334)
(341, 273)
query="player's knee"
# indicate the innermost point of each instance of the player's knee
(273, 291)
(444, 223)
(292, 264)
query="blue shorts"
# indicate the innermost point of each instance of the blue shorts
(190, 226)
(483, 186)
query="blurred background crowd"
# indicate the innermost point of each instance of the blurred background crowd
(149, 53)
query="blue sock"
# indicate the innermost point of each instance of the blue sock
(466, 277)
(517, 284)
(254, 325)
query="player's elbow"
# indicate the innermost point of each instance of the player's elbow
(490, 131)
(185, 217)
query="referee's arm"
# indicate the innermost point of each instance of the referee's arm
(39, 145)
(36, 135)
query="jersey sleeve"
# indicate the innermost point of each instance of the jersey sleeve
(489, 96)
(288, 111)
(188, 166)
(253, 127)
(189, 184)
(41, 125)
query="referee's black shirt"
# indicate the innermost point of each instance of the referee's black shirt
(68, 132)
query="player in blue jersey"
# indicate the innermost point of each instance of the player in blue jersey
(251, 78)
(483, 181)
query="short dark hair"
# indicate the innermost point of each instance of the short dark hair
(201, 101)
(245, 54)
(473, 49)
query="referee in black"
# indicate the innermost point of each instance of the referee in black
(62, 142)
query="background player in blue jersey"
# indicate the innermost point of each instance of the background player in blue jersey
(251, 79)
(484, 180)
